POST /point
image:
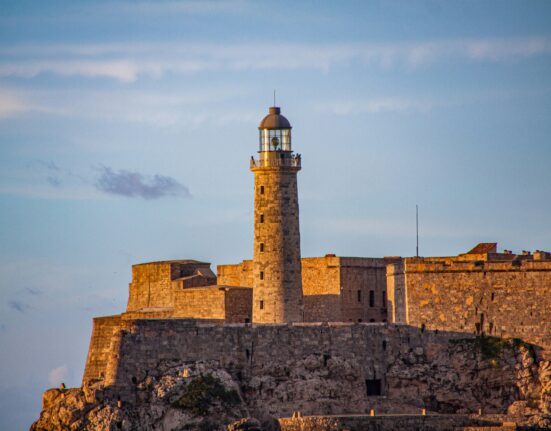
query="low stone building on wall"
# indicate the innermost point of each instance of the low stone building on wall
(185, 289)
(481, 292)
(335, 289)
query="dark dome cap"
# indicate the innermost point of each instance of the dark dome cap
(274, 120)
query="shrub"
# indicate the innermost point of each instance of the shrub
(203, 392)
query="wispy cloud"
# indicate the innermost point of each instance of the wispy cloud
(374, 106)
(135, 184)
(58, 375)
(18, 306)
(128, 62)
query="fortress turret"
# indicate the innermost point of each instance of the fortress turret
(277, 285)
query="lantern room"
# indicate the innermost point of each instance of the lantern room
(275, 132)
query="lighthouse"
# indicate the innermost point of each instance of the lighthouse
(277, 280)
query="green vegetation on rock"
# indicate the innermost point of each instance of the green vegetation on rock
(203, 392)
(491, 348)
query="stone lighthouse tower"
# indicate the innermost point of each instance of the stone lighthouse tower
(277, 280)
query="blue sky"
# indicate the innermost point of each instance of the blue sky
(126, 130)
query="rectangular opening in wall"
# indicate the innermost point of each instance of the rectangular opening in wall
(359, 296)
(372, 298)
(261, 190)
(261, 247)
(261, 218)
(262, 275)
(384, 299)
(261, 305)
(373, 387)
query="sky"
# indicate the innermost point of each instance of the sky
(126, 130)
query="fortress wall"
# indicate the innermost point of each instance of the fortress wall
(496, 298)
(354, 352)
(240, 274)
(321, 289)
(396, 293)
(151, 286)
(103, 330)
(368, 277)
(238, 305)
(200, 303)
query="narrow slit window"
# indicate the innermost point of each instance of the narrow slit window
(261, 305)
(261, 218)
(261, 190)
(262, 275)
(384, 298)
(372, 298)
(261, 247)
(359, 296)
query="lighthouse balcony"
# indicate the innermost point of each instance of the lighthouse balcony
(273, 162)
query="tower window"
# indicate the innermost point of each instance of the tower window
(261, 305)
(262, 275)
(261, 190)
(261, 247)
(261, 218)
(372, 298)
(359, 296)
(384, 298)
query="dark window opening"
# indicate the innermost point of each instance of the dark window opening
(477, 328)
(261, 247)
(247, 353)
(262, 305)
(384, 344)
(261, 218)
(372, 320)
(372, 298)
(359, 296)
(373, 387)
(247, 320)
(384, 298)
(326, 357)
(134, 380)
(261, 190)
(262, 275)
(359, 320)
(493, 296)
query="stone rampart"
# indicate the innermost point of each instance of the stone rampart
(498, 298)
(316, 368)
(103, 332)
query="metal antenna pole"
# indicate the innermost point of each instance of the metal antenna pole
(417, 227)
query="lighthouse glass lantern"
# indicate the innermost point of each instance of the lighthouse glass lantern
(275, 132)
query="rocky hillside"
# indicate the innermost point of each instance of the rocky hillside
(463, 376)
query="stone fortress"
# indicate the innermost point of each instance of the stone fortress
(330, 335)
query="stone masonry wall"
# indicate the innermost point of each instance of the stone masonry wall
(103, 331)
(200, 303)
(502, 299)
(150, 286)
(240, 274)
(238, 303)
(277, 282)
(327, 368)
(322, 289)
(363, 295)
